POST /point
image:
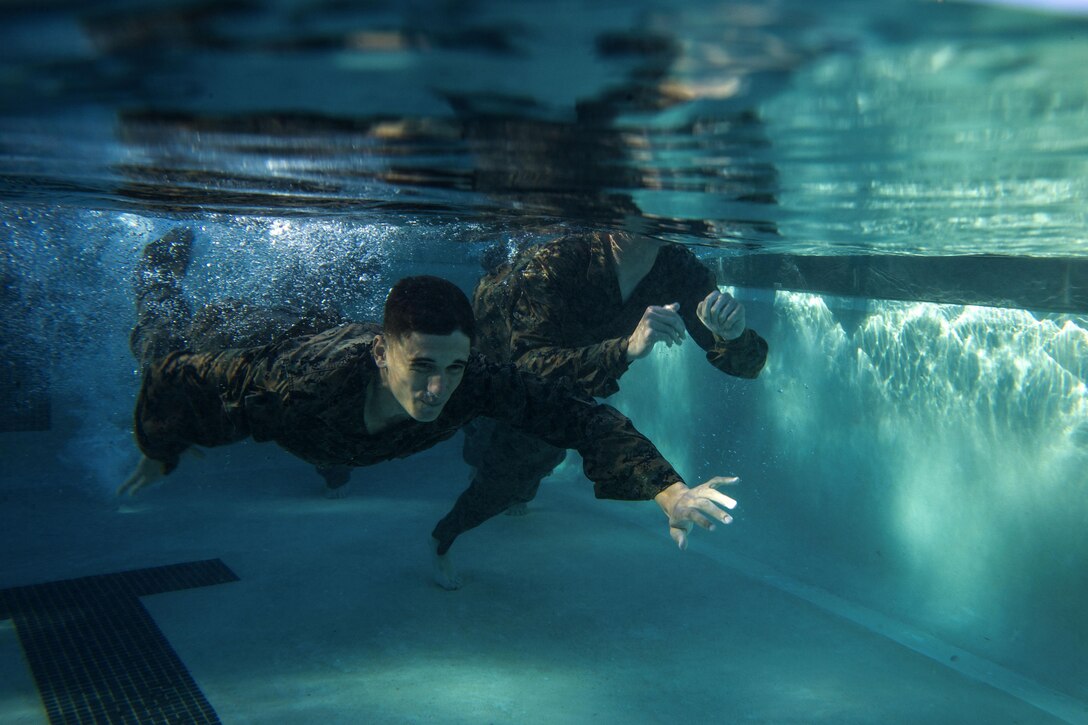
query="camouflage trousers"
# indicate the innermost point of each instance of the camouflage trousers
(165, 323)
(509, 466)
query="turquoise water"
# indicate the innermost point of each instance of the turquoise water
(897, 193)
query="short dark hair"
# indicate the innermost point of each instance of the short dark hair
(428, 305)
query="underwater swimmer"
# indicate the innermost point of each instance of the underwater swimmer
(357, 394)
(165, 323)
(586, 307)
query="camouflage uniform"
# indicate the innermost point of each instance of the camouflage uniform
(556, 310)
(308, 395)
(165, 322)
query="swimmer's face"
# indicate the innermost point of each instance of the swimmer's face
(422, 371)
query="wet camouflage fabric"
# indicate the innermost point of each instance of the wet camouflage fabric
(561, 314)
(163, 315)
(556, 310)
(165, 322)
(502, 479)
(222, 325)
(308, 395)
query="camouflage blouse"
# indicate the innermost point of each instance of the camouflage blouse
(308, 395)
(557, 311)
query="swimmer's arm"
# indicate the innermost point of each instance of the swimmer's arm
(743, 357)
(595, 368)
(622, 463)
(716, 321)
(720, 329)
(548, 302)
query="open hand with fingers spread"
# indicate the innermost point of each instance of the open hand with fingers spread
(699, 506)
(658, 324)
(722, 315)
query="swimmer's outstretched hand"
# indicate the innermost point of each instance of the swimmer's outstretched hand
(699, 506)
(147, 472)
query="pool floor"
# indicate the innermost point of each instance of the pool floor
(579, 612)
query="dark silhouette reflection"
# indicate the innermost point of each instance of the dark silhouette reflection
(512, 161)
(591, 174)
(228, 25)
(516, 170)
(240, 106)
(1037, 284)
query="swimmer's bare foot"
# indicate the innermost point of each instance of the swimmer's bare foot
(170, 253)
(518, 509)
(337, 478)
(331, 492)
(445, 575)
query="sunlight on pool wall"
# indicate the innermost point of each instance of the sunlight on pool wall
(978, 416)
(936, 455)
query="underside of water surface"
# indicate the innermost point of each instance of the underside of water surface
(895, 191)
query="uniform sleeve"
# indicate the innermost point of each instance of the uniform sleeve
(545, 304)
(191, 399)
(621, 462)
(743, 357)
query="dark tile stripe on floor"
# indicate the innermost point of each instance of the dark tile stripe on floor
(96, 654)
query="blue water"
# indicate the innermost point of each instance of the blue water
(914, 458)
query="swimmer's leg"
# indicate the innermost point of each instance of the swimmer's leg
(444, 572)
(162, 312)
